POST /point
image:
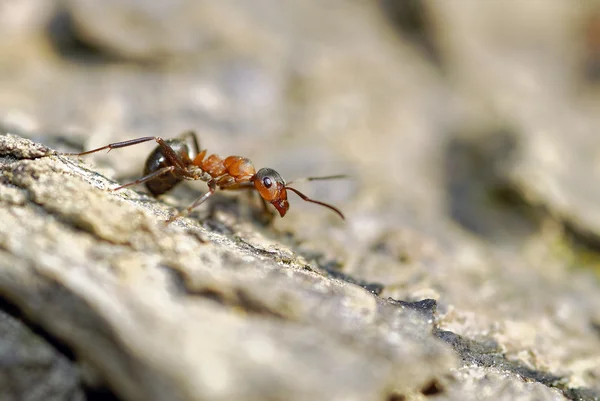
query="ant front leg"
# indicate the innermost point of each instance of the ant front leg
(267, 214)
(212, 187)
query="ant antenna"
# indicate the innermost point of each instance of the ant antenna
(307, 199)
(328, 177)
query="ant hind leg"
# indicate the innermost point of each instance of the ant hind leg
(192, 134)
(115, 145)
(168, 151)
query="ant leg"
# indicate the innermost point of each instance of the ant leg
(195, 141)
(169, 153)
(115, 145)
(212, 187)
(267, 213)
(148, 177)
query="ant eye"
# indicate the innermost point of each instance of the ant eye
(267, 182)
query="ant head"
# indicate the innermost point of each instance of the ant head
(271, 188)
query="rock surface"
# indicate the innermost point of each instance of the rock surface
(464, 270)
(180, 312)
(31, 368)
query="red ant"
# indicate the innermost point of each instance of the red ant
(180, 158)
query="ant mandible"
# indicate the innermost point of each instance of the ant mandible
(180, 158)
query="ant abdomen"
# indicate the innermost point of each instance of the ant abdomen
(157, 160)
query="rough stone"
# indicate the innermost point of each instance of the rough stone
(159, 314)
(31, 368)
(468, 131)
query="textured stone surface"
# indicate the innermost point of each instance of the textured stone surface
(182, 312)
(31, 369)
(468, 129)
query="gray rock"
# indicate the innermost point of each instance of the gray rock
(31, 368)
(183, 312)
(451, 119)
(536, 90)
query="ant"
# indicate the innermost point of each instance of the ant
(180, 158)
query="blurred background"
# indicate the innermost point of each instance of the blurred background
(470, 131)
